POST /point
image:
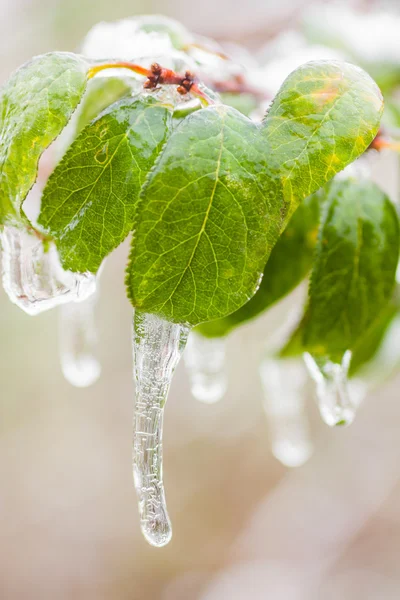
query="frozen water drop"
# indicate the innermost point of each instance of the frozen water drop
(282, 382)
(336, 404)
(205, 362)
(157, 348)
(33, 277)
(77, 339)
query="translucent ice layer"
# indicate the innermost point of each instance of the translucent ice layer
(33, 277)
(157, 349)
(336, 404)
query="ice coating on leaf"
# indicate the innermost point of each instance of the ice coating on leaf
(154, 38)
(77, 342)
(33, 277)
(283, 382)
(335, 401)
(157, 349)
(144, 39)
(205, 363)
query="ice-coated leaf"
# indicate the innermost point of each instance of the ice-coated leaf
(224, 189)
(289, 263)
(89, 201)
(324, 116)
(36, 103)
(354, 270)
(204, 225)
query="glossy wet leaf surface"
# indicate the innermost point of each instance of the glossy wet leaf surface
(35, 105)
(354, 270)
(89, 201)
(204, 226)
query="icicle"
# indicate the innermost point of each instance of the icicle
(283, 381)
(33, 277)
(157, 348)
(336, 404)
(77, 341)
(205, 362)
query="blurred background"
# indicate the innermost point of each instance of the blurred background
(245, 526)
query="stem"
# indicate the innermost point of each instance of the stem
(158, 75)
(119, 65)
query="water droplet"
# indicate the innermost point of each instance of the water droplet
(205, 362)
(336, 404)
(33, 277)
(77, 341)
(283, 381)
(157, 348)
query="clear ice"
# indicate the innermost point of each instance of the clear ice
(33, 277)
(205, 362)
(283, 382)
(157, 348)
(77, 342)
(335, 401)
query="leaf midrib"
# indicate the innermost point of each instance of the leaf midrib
(203, 227)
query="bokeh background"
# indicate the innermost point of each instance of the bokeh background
(245, 527)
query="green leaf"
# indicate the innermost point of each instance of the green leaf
(289, 263)
(102, 92)
(224, 189)
(325, 115)
(89, 201)
(204, 226)
(369, 344)
(35, 105)
(354, 270)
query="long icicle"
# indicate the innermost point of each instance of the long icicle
(283, 382)
(157, 346)
(77, 342)
(205, 362)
